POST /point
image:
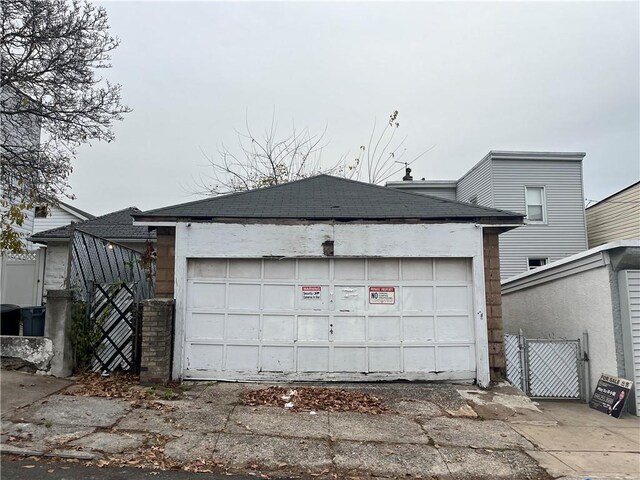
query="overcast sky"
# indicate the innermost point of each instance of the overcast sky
(466, 78)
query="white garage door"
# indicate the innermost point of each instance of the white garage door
(329, 319)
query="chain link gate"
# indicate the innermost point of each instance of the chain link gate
(545, 368)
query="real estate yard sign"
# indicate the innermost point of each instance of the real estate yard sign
(610, 395)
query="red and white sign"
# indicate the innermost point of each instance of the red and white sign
(311, 293)
(384, 295)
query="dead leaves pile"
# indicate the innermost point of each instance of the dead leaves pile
(118, 385)
(315, 398)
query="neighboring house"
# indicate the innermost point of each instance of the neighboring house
(21, 275)
(597, 291)
(617, 217)
(331, 279)
(116, 227)
(546, 187)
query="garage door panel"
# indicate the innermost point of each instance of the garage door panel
(243, 327)
(419, 329)
(455, 358)
(417, 299)
(452, 298)
(278, 359)
(207, 295)
(313, 269)
(313, 297)
(382, 308)
(349, 298)
(205, 326)
(240, 268)
(349, 269)
(242, 358)
(419, 359)
(452, 269)
(384, 359)
(313, 329)
(204, 357)
(207, 268)
(279, 297)
(349, 329)
(278, 328)
(455, 328)
(350, 359)
(313, 359)
(384, 269)
(244, 296)
(420, 269)
(384, 329)
(279, 269)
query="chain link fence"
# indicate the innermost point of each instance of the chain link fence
(545, 368)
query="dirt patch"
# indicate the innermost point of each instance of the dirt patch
(315, 398)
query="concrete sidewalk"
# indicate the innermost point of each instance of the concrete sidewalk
(432, 430)
(19, 389)
(585, 442)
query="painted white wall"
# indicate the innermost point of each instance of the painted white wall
(225, 240)
(231, 240)
(57, 262)
(564, 308)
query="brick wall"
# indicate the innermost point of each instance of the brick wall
(157, 322)
(165, 261)
(497, 362)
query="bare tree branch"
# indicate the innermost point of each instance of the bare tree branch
(273, 159)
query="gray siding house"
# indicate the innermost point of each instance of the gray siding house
(544, 186)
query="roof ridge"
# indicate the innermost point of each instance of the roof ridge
(235, 194)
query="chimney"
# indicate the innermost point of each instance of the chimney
(407, 177)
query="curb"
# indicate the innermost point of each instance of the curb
(66, 454)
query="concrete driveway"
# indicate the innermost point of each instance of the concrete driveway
(431, 431)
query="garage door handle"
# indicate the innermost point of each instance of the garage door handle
(331, 328)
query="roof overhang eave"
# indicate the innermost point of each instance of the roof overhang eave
(506, 222)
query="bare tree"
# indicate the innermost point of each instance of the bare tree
(52, 100)
(262, 161)
(270, 159)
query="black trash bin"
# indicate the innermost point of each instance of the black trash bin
(9, 319)
(33, 321)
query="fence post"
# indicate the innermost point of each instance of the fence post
(587, 366)
(524, 372)
(57, 327)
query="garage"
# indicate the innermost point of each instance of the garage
(393, 317)
(330, 279)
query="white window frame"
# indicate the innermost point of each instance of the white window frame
(544, 204)
(530, 268)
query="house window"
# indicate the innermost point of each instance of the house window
(535, 262)
(42, 211)
(535, 204)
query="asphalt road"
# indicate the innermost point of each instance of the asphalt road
(28, 469)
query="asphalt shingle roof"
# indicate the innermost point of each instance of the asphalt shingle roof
(112, 226)
(324, 197)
